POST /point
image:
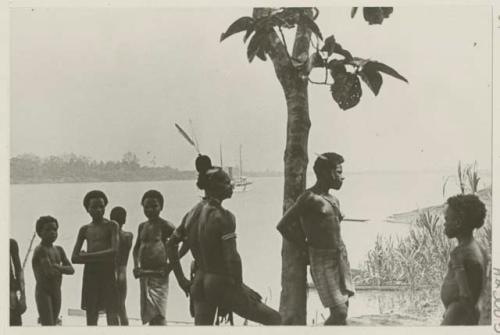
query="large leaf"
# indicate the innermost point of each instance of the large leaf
(381, 67)
(346, 90)
(329, 45)
(248, 33)
(309, 23)
(336, 66)
(376, 15)
(387, 11)
(243, 23)
(353, 11)
(261, 53)
(257, 42)
(341, 51)
(372, 79)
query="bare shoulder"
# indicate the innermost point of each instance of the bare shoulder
(83, 229)
(229, 216)
(309, 197)
(169, 224)
(111, 222)
(226, 221)
(60, 250)
(38, 252)
(473, 253)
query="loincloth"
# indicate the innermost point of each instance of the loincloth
(100, 287)
(331, 274)
(154, 294)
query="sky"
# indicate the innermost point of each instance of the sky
(100, 82)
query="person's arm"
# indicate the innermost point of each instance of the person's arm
(230, 254)
(106, 254)
(19, 273)
(128, 244)
(135, 252)
(474, 274)
(65, 267)
(288, 225)
(76, 256)
(173, 256)
(465, 277)
(183, 250)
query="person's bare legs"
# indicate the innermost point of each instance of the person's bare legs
(204, 313)
(338, 315)
(122, 289)
(112, 318)
(92, 316)
(45, 308)
(158, 320)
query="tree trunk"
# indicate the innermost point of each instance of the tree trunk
(293, 300)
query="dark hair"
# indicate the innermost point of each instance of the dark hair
(42, 221)
(118, 214)
(327, 161)
(95, 194)
(470, 208)
(153, 194)
(203, 164)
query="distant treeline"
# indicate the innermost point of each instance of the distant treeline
(71, 168)
(31, 169)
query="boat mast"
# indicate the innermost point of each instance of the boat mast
(241, 164)
(220, 154)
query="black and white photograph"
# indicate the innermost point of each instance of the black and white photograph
(218, 165)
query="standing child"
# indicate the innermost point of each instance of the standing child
(119, 215)
(49, 264)
(464, 282)
(99, 288)
(16, 285)
(150, 260)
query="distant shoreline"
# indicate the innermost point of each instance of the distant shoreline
(37, 181)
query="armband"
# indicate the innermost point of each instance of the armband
(228, 236)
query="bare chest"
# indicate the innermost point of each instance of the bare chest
(152, 233)
(98, 236)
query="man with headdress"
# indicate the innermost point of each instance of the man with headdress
(209, 231)
(313, 224)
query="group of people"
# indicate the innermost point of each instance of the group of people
(215, 287)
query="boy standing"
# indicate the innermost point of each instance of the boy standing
(49, 264)
(464, 283)
(150, 260)
(119, 215)
(99, 289)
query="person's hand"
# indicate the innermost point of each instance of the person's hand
(137, 272)
(185, 285)
(22, 303)
(304, 252)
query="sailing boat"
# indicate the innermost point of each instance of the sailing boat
(241, 183)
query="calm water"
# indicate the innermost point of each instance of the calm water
(364, 196)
